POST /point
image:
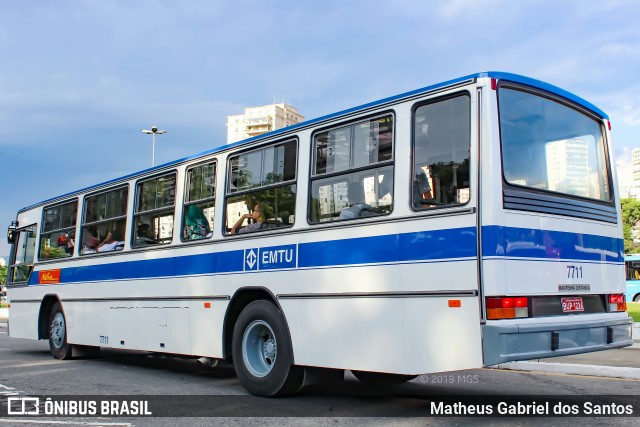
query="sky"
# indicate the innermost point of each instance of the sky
(80, 79)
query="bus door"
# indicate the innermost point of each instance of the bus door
(22, 254)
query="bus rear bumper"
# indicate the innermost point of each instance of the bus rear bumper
(507, 343)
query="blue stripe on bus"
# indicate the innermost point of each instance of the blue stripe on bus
(421, 246)
(512, 242)
(435, 245)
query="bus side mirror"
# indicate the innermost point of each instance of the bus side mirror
(12, 234)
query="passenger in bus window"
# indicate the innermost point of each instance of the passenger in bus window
(257, 215)
(112, 242)
(89, 241)
(67, 242)
(196, 225)
(143, 232)
(356, 208)
(422, 190)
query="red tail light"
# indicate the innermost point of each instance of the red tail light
(617, 302)
(507, 307)
(616, 298)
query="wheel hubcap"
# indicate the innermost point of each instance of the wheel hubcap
(57, 330)
(259, 348)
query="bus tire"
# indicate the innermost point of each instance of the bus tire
(381, 379)
(262, 352)
(636, 298)
(60, 348)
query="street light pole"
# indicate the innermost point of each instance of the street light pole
(153, 132)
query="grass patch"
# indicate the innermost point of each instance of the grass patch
(633, 308)
(3, 304)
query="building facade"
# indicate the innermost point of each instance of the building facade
(258, 120)
(567, 164)
(635, 165)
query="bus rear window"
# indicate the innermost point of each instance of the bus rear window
(550, 146)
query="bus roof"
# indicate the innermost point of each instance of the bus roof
(498, 75)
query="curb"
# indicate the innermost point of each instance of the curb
(572, 369)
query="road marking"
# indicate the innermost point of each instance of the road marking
(73, 423)
(43, 363)
(32, 373)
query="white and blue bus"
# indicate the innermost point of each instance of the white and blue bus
(632, 269)
(456, 226)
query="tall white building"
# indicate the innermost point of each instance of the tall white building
(568, 165)
(635, 165)
(258, 120)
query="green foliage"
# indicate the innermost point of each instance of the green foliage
(3, 275)
(633, 309)
(630, 216)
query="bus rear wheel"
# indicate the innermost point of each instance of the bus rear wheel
(262, 352)
(60, 348)
(381, 379)
(636, 298)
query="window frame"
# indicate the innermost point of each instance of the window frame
(84, 224)
(10, 282)
(186, 203)
(568, 104)
(228, 179)
(136, 214)
(37, 255)
(313, 176)
(414, 109)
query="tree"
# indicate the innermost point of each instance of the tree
(3, 275)
(630, 217)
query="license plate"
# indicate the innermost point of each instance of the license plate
(572, 304)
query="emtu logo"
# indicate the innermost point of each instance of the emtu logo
(251, 259)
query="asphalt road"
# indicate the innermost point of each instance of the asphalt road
(187, 387)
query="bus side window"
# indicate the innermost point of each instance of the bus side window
(441, 147)
(57, 239)
(154, 210)
(352, 173)
(104, 221)
(265, 179)
(199, 202)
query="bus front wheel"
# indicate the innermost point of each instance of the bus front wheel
(262, 352)
(60, 348)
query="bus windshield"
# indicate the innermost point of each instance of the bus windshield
(550, 146)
